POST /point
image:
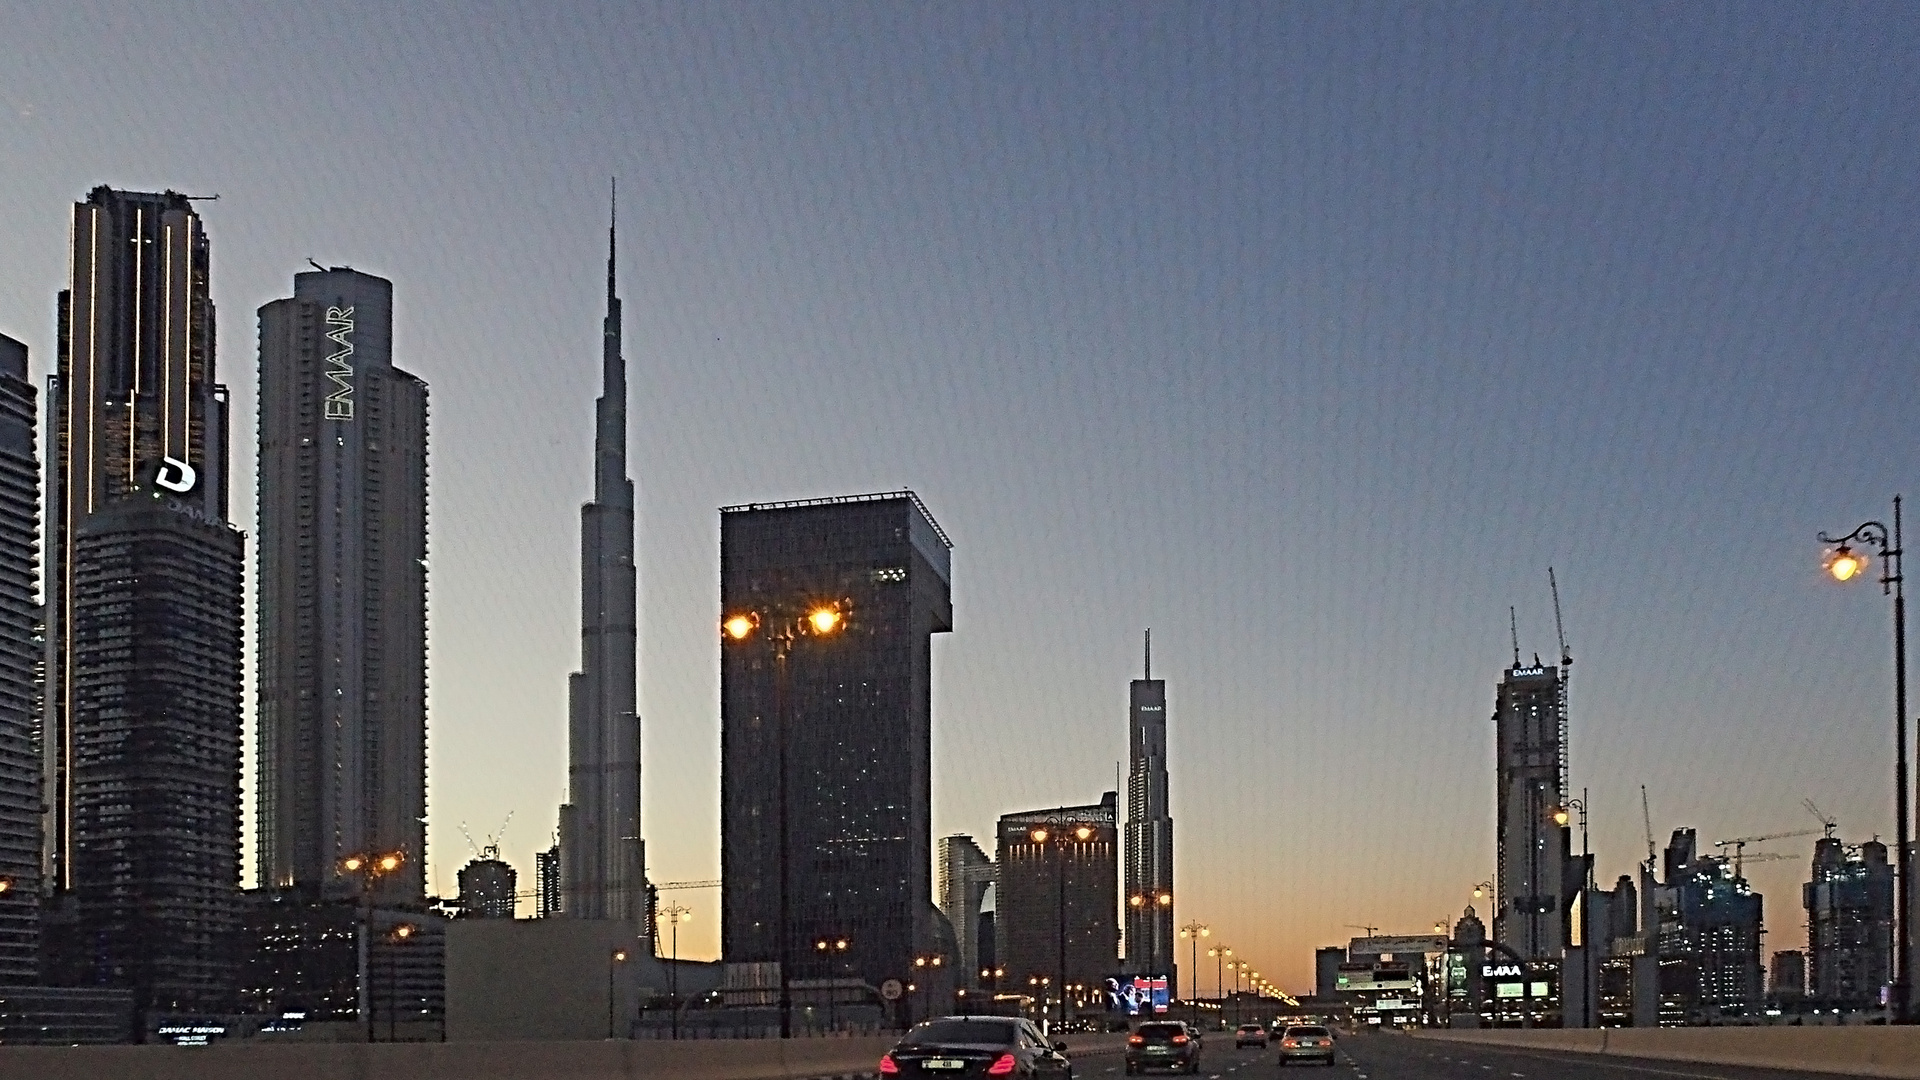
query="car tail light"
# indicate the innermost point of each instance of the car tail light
(1179, 1040)
(1289, 1042)
(1003, 1067)
(888, 1066)
(1136, 1040)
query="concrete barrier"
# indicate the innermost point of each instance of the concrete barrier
(706, 1059)
(1845, 1051)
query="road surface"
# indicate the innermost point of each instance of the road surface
(1398, 1057)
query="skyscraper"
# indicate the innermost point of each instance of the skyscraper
(962, 875)
(1149, 836)
(602, 855)
(857, 709)
(343, 588)
(19, 659)
(1850, 905)
(1535, 885)
(143, 656)
(1054, 903)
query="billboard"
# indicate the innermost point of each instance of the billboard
(1138, 995)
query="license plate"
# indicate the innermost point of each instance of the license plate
(943, 1063)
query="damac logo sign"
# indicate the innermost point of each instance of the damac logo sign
(339, 404)
(175, 475)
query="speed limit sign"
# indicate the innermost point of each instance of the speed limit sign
(891, 989)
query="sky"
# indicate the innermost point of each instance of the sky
(1308, 335)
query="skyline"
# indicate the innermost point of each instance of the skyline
(1309, 339)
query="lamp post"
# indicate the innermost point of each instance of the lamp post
(1194, 931)
(1057, 838)
(1219, 954)
(1565, 814)
(922, 966)
(675, 914)
(614, 960)
(1238, 969)
(1844, 564)
(399, 937)
(366, 869)
(831, 948)
(780, 627)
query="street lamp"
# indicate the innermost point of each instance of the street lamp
(675, 914)
(830, 948)
(1567, 813)
(367, 869)
(614, 960)
(398, 937)
(1195, 931)
(1059, 838)
(1845, 564)
(923, 964)
(1219, 954)
(780, 626)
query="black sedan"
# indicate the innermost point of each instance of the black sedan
(976, 1046)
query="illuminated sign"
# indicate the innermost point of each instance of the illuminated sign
(1529, 671)
(339, 405)
(175, 475)
(1136, 995)
(1503, 971)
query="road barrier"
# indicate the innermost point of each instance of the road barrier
(1845, 1051)
(706, 1059)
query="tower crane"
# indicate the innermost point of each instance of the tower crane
(1566, 669)
(1647, 818)
(1739, 845)
(1827, 821)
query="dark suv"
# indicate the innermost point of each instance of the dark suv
(1163, 1044)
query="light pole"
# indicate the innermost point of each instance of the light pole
(831, 948)
(1238, 970)
(928, 965)
(1844, 563)
(366, 869)
(675, 914)
(783, 625)
(614, 960)
(399, 937)
(1057, 839)
(1194, 931)
(1564, 815)
(1219, 954)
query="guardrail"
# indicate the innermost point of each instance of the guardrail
(706, 1059)
(1845, 1051)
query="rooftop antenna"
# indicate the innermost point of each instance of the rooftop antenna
(315, 265)
(613, 227)
(1513, 628)
(1149, 675)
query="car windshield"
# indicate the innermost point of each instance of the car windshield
(1307, 1033)
(987, 1032)
(1162, 1031)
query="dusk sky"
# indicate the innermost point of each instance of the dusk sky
(1308, 335)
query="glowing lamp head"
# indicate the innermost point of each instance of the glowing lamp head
(1084, 832)
(389, 863)
(1165, 899)
(738, 627)
(619, 955)
(824, 620)
(403, 931)
(1845, 564)
(1560, 816)
(1038, 836)
(1137, 901)
(352, 863)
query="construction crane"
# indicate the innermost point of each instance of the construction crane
(1647, 817)
(1739, 845)
(665, 885)
(1566, 669)
(1828, 823)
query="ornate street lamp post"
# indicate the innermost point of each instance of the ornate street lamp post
(1844, 564)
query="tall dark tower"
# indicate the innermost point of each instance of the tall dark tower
(19, 658)
(1535, 882)
(602, 855)
(143, 656)
(858, 709)
(1149, 836)
(343, 589)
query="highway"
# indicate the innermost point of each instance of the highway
(1398, 1057)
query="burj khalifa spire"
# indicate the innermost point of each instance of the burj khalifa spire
(602, 857)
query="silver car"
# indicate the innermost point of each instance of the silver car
(1306, 1042)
